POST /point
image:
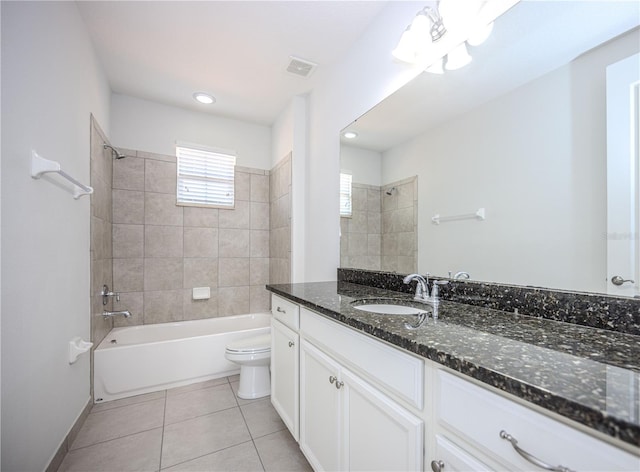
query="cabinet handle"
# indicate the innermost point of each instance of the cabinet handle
(339, 384)
(534, 460)
(281, 310)
(332, 379)
(437, 466)
(291, 344)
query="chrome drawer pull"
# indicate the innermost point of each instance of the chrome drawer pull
(437, 466)
(291, 344)
(534, 460)
(281, 310)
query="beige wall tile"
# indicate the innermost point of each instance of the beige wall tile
(358, 244)
(259, 243)
(160, 176)
(374, 222)
(373, 200)
(259, 299)
(200, 242)
(242, 186)
(163, 306)
(161, 209)
(128, 174)
(233, 301)
(200, 272)
(101, 204)
(153, 155)
(234, 243)
(374, 244)
(238, 218)
(402, 220)
(128, 207)
(128, 241)
(280, 242)
(199, 309)
(202, 217)
(233, 272)
(163, 241)
(358, 222)
(406, 244)
(259, 188)
(100, 238)
(259, 270)
(259, 218)
(279, 270)
(128, 275)
(163, 274)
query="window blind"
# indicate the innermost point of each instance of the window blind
(205, 177)
(345, 194)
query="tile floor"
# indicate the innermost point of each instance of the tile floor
(200, 427)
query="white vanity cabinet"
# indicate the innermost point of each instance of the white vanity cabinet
(347, 422)
(285, 349)
(490, 424)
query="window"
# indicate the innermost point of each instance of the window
(345, 194)
(205, 177)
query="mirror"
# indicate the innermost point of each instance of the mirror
(521, 133)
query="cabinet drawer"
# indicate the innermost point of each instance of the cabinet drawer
(397, 372)
(480, 415)
(451, 458)
(285, 311)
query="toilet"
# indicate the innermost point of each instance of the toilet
(253, 355)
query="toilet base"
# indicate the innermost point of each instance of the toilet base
(255, 382)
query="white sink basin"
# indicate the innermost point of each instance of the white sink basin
(386, 309)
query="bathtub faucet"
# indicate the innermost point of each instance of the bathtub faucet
(107, 314)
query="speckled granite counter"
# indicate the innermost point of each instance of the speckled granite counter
(588, 375)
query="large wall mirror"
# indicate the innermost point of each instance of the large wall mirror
(525, 133)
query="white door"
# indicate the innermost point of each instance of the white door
(379, 434)
(285, 375)
(623, 213)
(320, 407)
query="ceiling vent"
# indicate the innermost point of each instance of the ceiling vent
(300, 67)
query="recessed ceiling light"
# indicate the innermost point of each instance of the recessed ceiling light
(350, 134)
(204, 98)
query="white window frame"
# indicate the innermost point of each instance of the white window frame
(346, 192)
(210, 171)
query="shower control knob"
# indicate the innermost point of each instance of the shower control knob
(617, 280)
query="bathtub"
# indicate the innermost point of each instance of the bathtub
(142, 359)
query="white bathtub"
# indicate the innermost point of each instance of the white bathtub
(155, 357)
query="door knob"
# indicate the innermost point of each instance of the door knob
(617, 280)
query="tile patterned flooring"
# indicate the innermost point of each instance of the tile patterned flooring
(200, 427)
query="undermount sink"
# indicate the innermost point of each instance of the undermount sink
(387, 309)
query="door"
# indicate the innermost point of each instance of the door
(320, 406)
(379, 434)
(623, 213)
(285, 375)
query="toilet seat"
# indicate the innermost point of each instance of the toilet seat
(253, 345)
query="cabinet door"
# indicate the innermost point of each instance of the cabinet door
(285, 375)
(320, 403)
(379, 434)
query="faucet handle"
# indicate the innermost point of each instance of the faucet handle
(436, 285)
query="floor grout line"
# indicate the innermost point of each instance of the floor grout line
(164, 416)
(208, 454)
(251, 436)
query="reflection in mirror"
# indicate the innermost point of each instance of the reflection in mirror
(521, 132)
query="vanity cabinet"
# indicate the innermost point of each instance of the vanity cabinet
(497, 427)
(346, 421)
(285, 355)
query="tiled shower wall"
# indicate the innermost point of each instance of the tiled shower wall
(280, 202)
(381, 233)
(360, 235)
(101, 247)
(161, 250)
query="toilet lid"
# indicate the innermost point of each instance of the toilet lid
(253, 344)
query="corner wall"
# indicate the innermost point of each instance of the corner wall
(51, 83)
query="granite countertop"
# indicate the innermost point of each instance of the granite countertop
(588, 375)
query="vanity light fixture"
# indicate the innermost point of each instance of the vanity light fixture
(438, 36)
(204, 98)
(350, 134)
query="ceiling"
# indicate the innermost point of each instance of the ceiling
(238, 51)
(531, 39)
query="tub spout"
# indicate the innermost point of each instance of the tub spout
(107, 314)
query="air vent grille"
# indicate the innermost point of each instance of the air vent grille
(300, 67)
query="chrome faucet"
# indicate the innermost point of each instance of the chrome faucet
(422, 287)
(108, 314)
(461, 275)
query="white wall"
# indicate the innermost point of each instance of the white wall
(149, 126)
(535, 158)
(365, 165)
(51, 83)
(364, 76)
